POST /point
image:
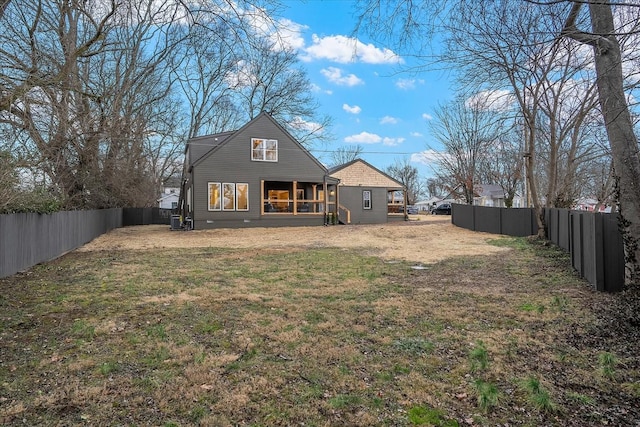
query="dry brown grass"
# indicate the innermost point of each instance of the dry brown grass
(315, 326)
(429, 239)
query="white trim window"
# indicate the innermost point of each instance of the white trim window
(264, 150)
(242, 197)
(215, 201)
(228, 196)
(366, 199)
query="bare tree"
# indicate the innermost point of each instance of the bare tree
(202, 76)
(514, 45)
(94, 90)
(345, 154)
(509, 50)
(434, 187)
(8, 180)
(624, 145)
(89, 92)
(466, 133)
(268, 78)
(408, 175)
(504, 164)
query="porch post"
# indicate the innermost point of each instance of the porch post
(315, 197)
(295, 197)
(262, 197)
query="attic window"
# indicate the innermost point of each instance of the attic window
(264, 150)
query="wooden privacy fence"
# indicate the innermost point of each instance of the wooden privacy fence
(592, 239)
(27, 239)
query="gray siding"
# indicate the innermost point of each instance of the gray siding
(199, 146)
(351, 198)
(231, 162)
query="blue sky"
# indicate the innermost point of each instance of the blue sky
(358, 83)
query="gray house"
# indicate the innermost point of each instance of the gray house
(257, 176)
(368, 195)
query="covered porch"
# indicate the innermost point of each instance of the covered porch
(304, 198)
(396, 203)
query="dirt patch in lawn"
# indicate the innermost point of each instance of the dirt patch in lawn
(427, 240)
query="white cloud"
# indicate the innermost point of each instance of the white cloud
(289, 34)
(426, 116)
(344, 50)
(363, 138)
(408, 84)
(372, 138)
(353, 110)
(284, 34)
(416, 134)
(494, 100)
(388, 120)
(317, 89)
(427, 157)
(300, 124)
(334, 75)
(392, 142)
(240, 75)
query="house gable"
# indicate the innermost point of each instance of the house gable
(236, 147)
(360, 173)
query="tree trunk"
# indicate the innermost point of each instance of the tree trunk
(623, 142)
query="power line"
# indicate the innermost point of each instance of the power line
(315, 150)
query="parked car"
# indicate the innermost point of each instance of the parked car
(412, 210)
(443, 209)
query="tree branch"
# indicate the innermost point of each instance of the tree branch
(570, 30)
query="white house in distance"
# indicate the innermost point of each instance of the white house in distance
(427, 205)
(486, 195)
(493, 195)
(170, 196)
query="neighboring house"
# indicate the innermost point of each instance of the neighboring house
(257, 176)
(589, 204)
(170, 194)
(427, 205)
(489, 195)
(169, 200)
(493, 195)
(368, 195)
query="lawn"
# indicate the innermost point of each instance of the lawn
(312, 336)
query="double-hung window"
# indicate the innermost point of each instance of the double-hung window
(366, 199)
